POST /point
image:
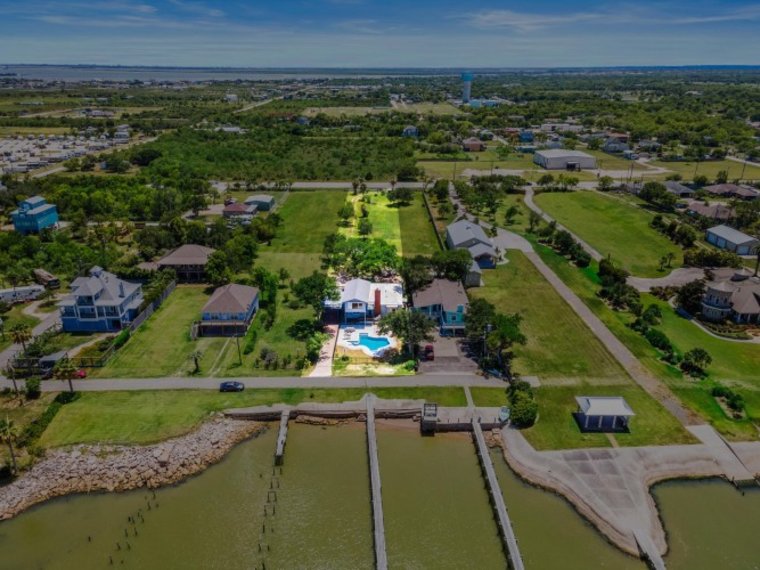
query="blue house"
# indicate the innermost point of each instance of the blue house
(229, 311)
(100, 303)
(526, 136)
(444, 301)
(33, 215)
(410, 131)
(468, 235)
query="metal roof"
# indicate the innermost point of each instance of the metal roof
(731, 234)
(604, 406)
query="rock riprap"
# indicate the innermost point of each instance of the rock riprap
(89, 468)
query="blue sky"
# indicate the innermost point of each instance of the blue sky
(372, 33)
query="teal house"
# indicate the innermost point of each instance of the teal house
(34, 215)
(444, 301)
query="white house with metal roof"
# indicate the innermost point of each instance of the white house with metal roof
(361, 300)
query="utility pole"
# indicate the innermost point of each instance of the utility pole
(240, 357)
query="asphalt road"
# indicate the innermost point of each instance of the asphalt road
(206, 383)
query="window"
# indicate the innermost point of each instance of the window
(357, 306)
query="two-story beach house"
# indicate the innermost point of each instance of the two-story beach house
(100, 303)
(34, 215)
(229, 311)
(445, 302)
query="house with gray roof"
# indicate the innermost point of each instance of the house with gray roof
(444, 301)
(730, 239)
(468, 235)
(736, 298)
(733, 191)
(680, 190)
(100, 302)
(188, 262)
(229, 311)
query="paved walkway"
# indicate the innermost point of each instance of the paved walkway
(206, 383)
(621, 353)
(323, 367)
(50, 320)
(677, 277)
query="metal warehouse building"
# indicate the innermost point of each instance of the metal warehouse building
(562, 159)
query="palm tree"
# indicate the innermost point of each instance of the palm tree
(8, 435)
(65, 370)
(21, 333)
(196, 356)
(671, 256)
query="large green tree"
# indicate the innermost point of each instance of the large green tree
(410, 326)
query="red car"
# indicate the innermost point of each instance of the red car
(428, 353)
(81, 373)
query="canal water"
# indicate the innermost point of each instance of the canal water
(710, 525)
(436, 506)
(551, 534)
(315, 513)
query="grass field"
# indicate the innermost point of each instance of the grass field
(688, 170)
(21, 416)
(612, 227)
(733, 363)
(347, 111)
(406, 227)
(606, 161)
(557, 429)
(146, 417)
(560, 348)
(162, 345)
(309, 217)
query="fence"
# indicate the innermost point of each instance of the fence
(432, 220)
(150, 309)
(31, 366)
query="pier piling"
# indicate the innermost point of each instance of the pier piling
(381, 558)
(281, 438)
(497, 500)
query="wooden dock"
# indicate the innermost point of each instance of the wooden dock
(648, 550)
(381, 557)
(497, 500)
(282, 436)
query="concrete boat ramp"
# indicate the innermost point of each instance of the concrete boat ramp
(610, 486)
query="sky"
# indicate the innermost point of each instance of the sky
(380, 33)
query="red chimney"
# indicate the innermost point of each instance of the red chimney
(378, 306)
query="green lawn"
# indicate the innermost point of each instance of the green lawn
(733, 363)
(612, 227)
(560, 348)
(688, 170)
(162, 345)
(407, 227)
(605, 161)
(146, 417)
(557, 429)
(309, 217)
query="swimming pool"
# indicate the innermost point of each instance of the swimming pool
(373, 343)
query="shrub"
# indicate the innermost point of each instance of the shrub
(121, 339)
(524, 409)
(659, 340)
(33, 388)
